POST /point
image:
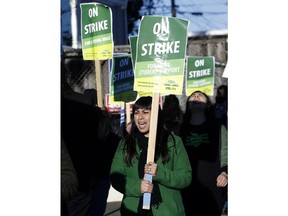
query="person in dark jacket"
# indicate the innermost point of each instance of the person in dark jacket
(172, 113)
(221, 105)
(86, 132)
(206, 145)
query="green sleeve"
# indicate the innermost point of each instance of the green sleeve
(178, 174)
(120, 181)
(224, 147)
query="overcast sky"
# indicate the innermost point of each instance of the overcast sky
(208, 15)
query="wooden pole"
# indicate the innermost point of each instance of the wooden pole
(153, 127)
(98, 83)
(128, 113)
(151, 144)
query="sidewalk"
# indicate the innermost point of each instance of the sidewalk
(113, 209)
(114, 202)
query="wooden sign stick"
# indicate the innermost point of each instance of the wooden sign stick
(98, 83)
(128, 113)
(151, 144)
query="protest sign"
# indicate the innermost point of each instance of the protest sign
(96, 31)
(160, 57)
(133, 48)
(97, 38)
(200, 75)
(122, 79)
(159, 68)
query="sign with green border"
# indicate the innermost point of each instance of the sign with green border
(133, 48)
(160, 55)
(122, 79)
(96, 31)
(200, 75)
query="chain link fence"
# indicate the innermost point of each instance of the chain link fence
(82, 73)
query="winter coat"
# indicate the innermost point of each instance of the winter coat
(172, 176)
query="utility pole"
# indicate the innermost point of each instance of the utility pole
(74, 27)
(150, 6)
(173, 8)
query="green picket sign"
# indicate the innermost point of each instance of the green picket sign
(122, 79)
(96, 31)
(133, 48)
(200, 74)
(160, 55)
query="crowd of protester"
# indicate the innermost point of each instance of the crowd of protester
(189, 171)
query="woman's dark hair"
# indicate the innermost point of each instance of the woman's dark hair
(222, 91)
(209, 102)
(161, 148)
(209, 112)
(171, 109)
